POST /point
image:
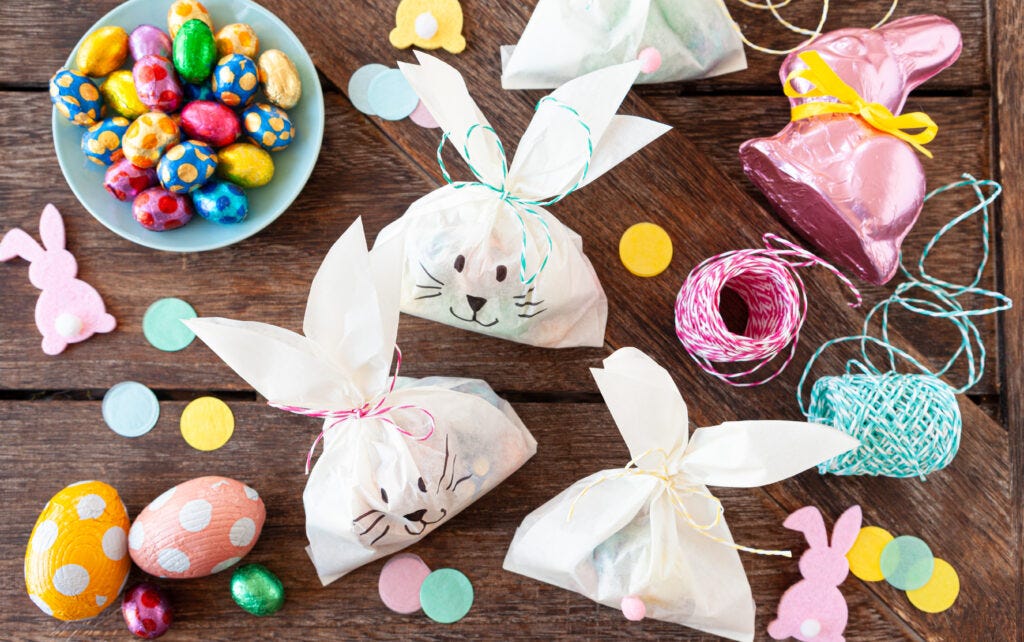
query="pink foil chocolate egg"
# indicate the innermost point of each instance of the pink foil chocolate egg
(157, 84)
(851, 190)
(158, 210)
(198, 528)
(147, 611)
(210, 122)
(148, 40)
(125, 181)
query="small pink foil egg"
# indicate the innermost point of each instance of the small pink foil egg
(650, 60)
(210, 122)
(146, 40)
(158, 210)
(125, 181)
(157, 84)
(147, 611)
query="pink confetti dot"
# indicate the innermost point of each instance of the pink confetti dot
(400, 582)
(422, 117)
(650, 60)
(633, 608)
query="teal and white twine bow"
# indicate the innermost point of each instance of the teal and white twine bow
(516, 204)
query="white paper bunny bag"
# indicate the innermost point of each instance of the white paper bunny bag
(652, 530)
(568, 38)
(401, 456)
(486, 255)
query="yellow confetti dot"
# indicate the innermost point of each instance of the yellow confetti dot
(941, 590)
(207, 423)
(866, 555)
(645, 249)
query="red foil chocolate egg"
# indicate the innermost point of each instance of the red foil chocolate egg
(210, 122)
(158, 210)
(125, 181)
(147, 611)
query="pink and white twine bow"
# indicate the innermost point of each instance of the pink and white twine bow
(776, 301)
(370, 410)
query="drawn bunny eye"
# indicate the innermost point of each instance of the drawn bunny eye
(384, 495)
(460, 263)
(501, 273)
(422, 485)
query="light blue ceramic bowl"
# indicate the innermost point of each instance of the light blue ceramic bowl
(292, 166)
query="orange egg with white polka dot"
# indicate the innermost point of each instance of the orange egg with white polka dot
(77, 558)
(198, 528)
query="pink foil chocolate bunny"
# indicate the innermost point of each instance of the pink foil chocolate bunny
(814, 609)
(850, 189)
(69, 310)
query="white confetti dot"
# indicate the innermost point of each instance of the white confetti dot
(43, 606)
(91, 507)
(70, 579)
(194, 516)
(101, 600)
(242, 532)
(251, 493)
(159, 502)
(228, 563)
(172, 560)
(45, 536)
(136, 536)
(115, 543)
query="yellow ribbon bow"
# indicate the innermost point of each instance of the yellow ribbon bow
(826, 83)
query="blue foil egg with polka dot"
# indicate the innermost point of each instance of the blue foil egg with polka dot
(221, 202)
(268, 126)
(235, 80)
(202, 91)
(76, 97)
(101, 143)
(186, 166)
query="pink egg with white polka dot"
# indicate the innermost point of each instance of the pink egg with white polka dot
(198, 528)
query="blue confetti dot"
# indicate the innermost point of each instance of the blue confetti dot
(130, 409)
(391, 96)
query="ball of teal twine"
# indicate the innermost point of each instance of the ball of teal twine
(909, 425)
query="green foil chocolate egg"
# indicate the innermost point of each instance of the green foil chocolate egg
(194, 51)
(256, 589)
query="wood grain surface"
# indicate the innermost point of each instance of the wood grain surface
(689, 182)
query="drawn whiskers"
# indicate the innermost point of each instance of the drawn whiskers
(527, 302)
(373, 524)
(429, 294)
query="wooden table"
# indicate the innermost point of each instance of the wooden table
(689, 181)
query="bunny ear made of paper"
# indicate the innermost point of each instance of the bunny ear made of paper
(645, 403)
(746, 454)
(575, 136)
(443, 92)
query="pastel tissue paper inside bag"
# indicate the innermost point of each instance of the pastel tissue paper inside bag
(485, 255)
(400, 456)
(652, 530)
(568, 38)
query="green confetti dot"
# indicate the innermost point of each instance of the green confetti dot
(446, 595)
(907, 563)
(163, 327)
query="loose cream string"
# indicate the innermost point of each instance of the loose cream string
(676, 496)
(774, 9)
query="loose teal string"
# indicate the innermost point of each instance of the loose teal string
(515, 203)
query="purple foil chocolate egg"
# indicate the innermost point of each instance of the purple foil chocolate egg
(157, 84)
(125, 181)
(159, 210)
(853, 191)
(210, 122)
(147, 611)
(148, 40)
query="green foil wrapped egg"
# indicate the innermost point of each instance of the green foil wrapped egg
(194, 51)
(257, 590)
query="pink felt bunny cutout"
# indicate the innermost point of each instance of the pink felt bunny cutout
(814, 609)
(850, 189)
(69, 310)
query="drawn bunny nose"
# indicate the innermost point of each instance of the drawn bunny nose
(416, 516)
(475, 302)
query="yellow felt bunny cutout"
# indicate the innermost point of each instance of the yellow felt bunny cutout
(429, 24)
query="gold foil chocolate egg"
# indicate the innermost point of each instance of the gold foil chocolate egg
(184, 10)
(118, 92)
(245, 164)
(280, 78)
(237, 38)
(102, 51)
(148, 137)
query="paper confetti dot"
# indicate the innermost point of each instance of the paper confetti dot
(207, 423)
(359, 84)
(130, 409)
(939, 593)
(400, 582)
(866, 555)
(391, 96)
(907, 563)
(163, 327)
(645, 249)
(446, 595)
(422, 117)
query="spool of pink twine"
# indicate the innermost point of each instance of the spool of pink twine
(776, 299)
